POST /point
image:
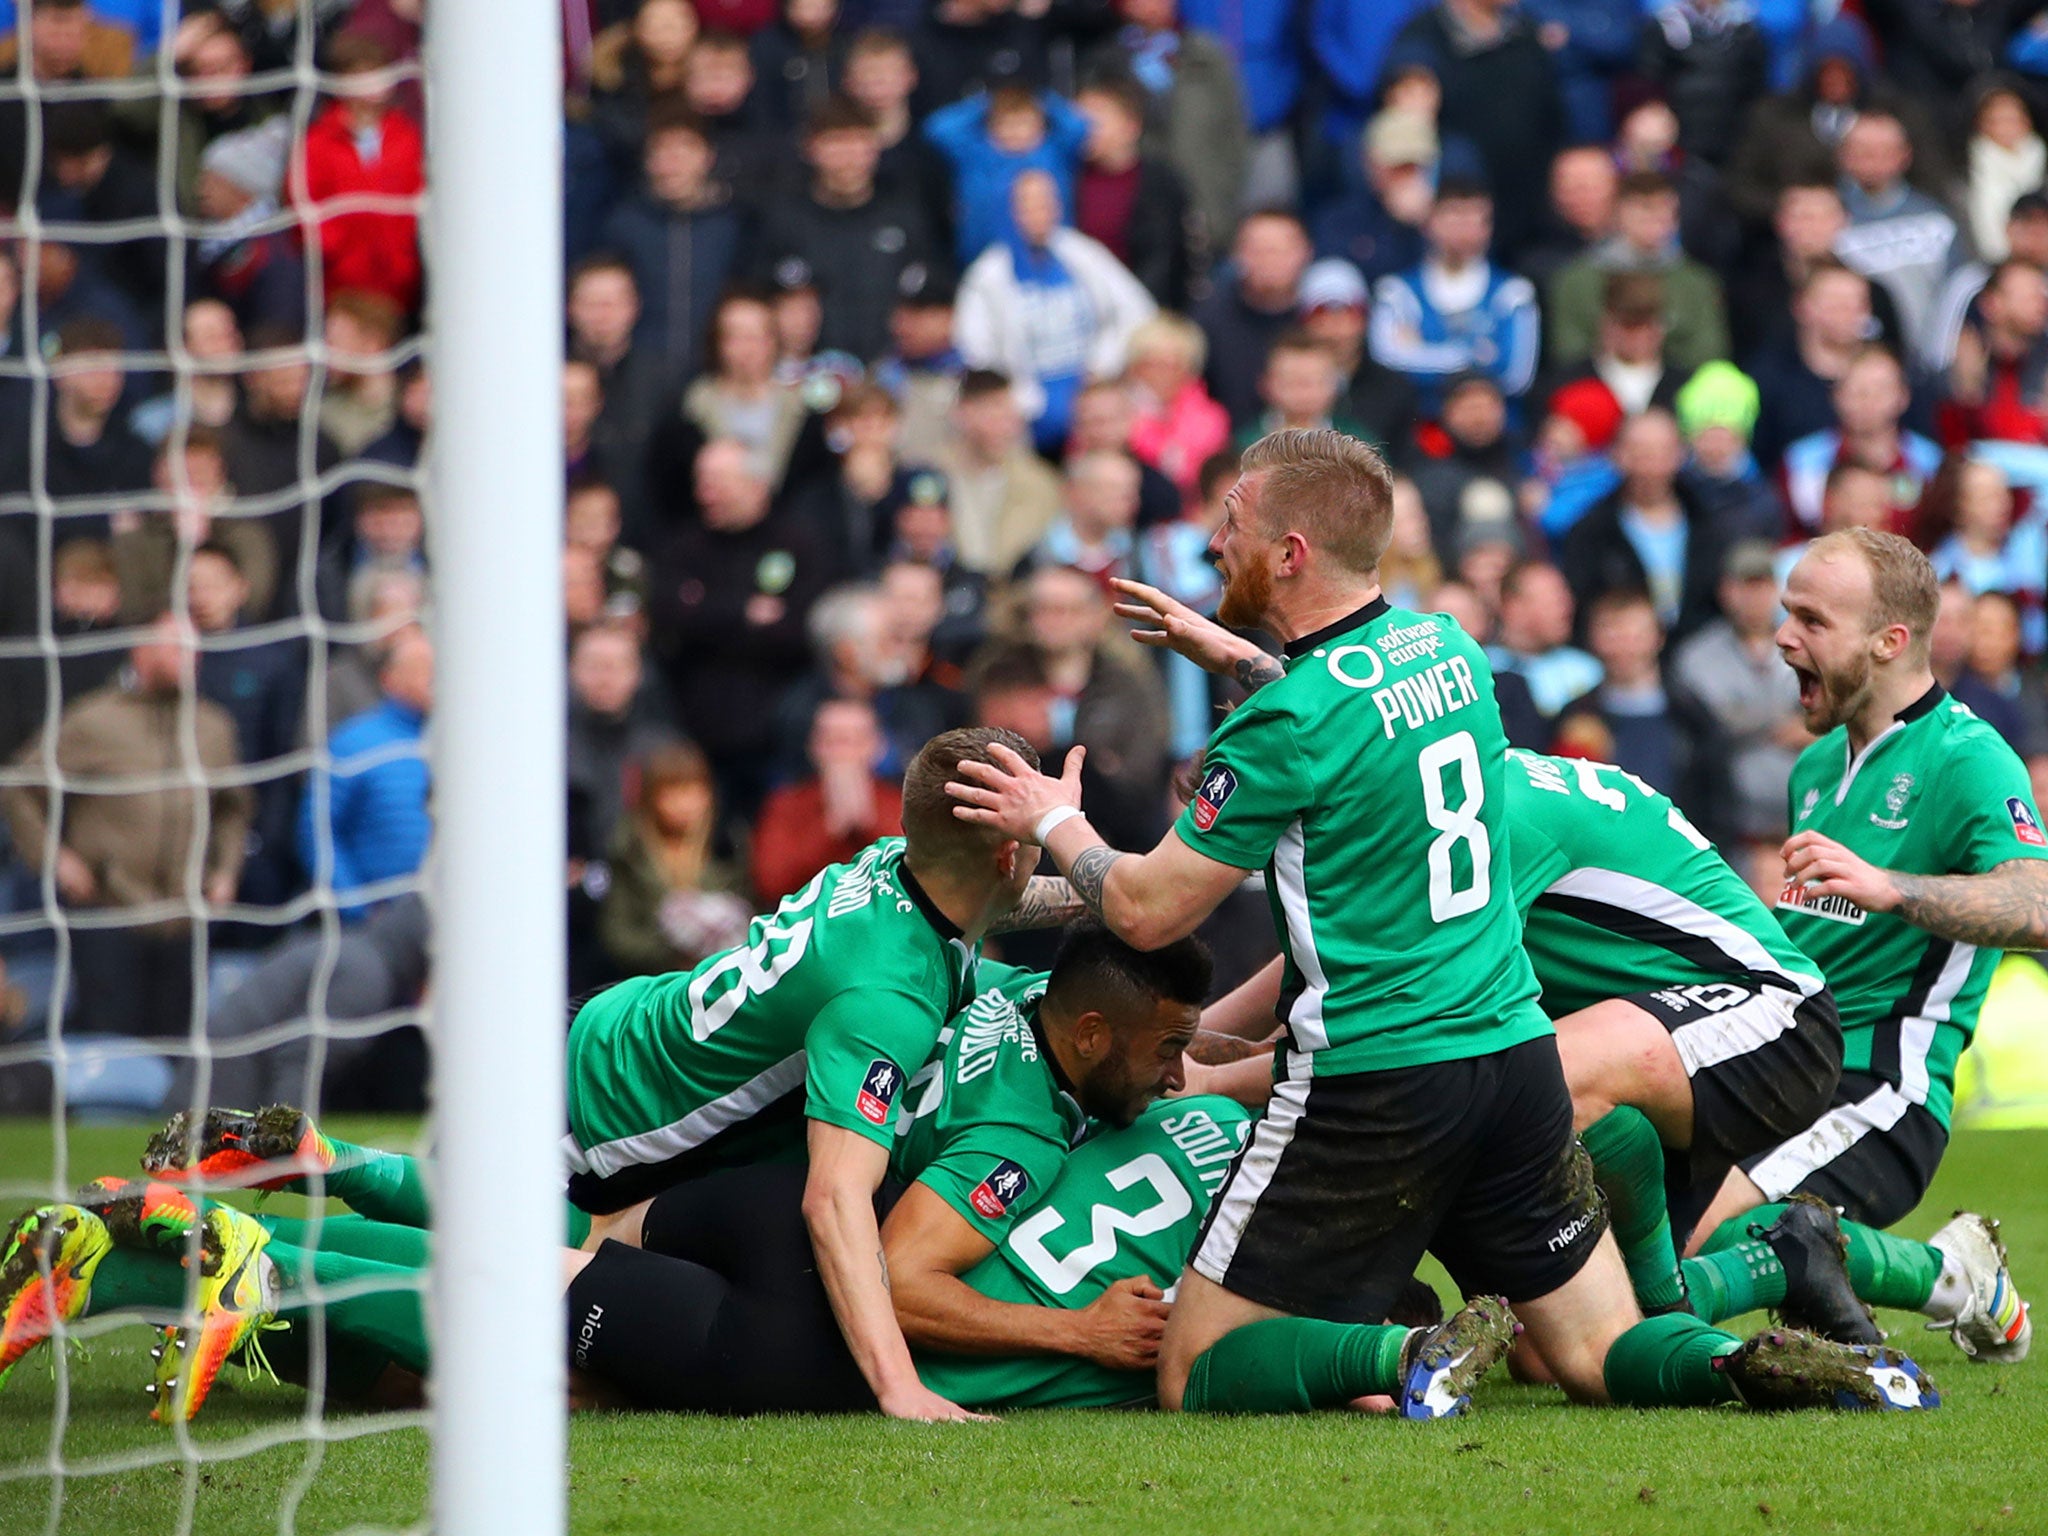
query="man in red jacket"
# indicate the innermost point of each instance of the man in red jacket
(363, 144)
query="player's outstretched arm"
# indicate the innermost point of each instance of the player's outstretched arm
(1146, 899)
(2005, 907)
(1169, 624)
(930, 1246)
(839, 1209)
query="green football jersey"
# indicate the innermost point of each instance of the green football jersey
(1130, 1202)
(1619, 893)
(1368, 783)
(841, 991)
(1937, 793)
(986, 1123)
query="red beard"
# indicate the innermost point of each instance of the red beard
(1246, 597)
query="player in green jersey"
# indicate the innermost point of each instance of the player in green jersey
(796, 1043)
(1685, 1018)
(817, 1019)
(727, 1332)
(1023, 1073)
(1916, 858)
(1031, 1065)
(1419, 1102)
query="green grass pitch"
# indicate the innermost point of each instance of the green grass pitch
(1523, 1462)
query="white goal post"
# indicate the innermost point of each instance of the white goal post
(494, 243)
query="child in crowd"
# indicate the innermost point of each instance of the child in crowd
(993, 139)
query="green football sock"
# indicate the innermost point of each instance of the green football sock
(1668, 1362)
(1735, 1280)
(135, 1278)
(389, 1318)
(1628, 1165)
(387, 1243)
(1736, 1228)
(1889, 1271)
(1292, 1364)
(384, 1186)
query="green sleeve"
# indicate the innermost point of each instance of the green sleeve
(995, 976)
(1989, 815)
(1255, 785)
(993, 1173)
(860, 1052)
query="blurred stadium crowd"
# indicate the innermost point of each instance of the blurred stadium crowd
(896, 329)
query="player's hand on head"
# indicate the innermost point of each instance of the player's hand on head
(1827, 868)
(1168, 623)
(922, 1404)
(1122, 1327)
(1010, 795)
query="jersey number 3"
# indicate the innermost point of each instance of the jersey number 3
(1454, 826)
(1106, 1224)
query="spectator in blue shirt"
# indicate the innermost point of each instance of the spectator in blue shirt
(1455, 311)
(993, 139)
(373, 813)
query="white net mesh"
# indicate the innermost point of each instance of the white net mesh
(178, 829)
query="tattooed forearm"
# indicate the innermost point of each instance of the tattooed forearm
(1090, 873)
(1214, 1050)
(1048, 902)
(1254, 672)
(2003, 908)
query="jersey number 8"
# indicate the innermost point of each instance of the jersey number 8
(1461, 825)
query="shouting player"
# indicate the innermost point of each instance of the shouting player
(1917, 857)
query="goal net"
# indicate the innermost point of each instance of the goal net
(280, 736)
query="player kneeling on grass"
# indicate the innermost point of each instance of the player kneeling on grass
(1419, 1101)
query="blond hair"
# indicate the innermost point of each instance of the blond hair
(1334, 490)
(1903, 588)
(1168, 332)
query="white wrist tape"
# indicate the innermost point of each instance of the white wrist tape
(1051, 819)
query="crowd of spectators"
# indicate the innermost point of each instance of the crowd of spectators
(896, 329)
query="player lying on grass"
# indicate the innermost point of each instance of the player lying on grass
(123, 1246)
(795, 1044)
(801, 1039)
(730, 1315)
(1419, 1102)
(1023, 1073)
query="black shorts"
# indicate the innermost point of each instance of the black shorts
(1763, 1063)
(1347, 1180)
(1872, 1154)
